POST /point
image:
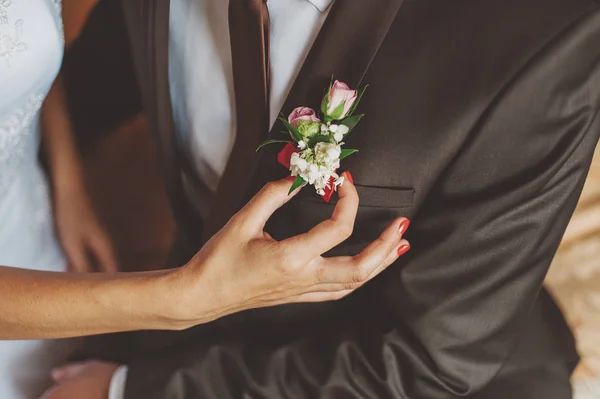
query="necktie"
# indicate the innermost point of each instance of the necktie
(249, 31)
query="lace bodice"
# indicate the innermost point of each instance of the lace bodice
(31, 47)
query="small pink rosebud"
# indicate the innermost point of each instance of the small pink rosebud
(339, 100)
(303, 114)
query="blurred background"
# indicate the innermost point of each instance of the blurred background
(125, 183)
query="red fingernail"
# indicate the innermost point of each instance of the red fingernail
(349, 177)
(404, 226)
(403, 249)
(290, 178)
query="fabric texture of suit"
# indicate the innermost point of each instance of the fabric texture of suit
(481, 125)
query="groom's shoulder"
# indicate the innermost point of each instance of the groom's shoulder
(477, 34)
(492, 17)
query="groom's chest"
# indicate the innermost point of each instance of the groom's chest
(432, 74)
(432, 83)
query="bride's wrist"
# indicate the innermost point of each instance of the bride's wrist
(188, 299)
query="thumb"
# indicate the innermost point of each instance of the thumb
(270, 198)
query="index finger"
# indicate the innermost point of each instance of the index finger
(331, 232)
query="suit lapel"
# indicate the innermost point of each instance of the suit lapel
(345, 47)
(158, 64)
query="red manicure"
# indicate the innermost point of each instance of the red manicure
(349, 177)
(290, 178)
(404, 226)
(403, 249)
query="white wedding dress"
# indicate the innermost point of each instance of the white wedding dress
(31, 49)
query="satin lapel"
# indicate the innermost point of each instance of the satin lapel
(345, 48)
(158, 64)
(157, 37)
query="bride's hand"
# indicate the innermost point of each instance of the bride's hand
(83, 238)
(247, 268)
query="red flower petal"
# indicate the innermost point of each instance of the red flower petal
(329, 190)
(285, 155)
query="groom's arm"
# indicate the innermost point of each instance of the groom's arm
(482, 244)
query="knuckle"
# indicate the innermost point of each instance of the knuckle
(320, 274)
(351, 286)
(284, 288)
(383, 243)
(284, 267)
(270, 189)
(362, 273)
(291, 266)
(358, 277)
(345, 230)
(290, 256)
(237, 222)
(289, 261)
(336, 296)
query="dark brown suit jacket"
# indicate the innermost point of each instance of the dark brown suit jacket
(481, 124)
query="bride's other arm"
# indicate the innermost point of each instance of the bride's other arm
(83, 238)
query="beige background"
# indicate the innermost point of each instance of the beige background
(574, 278)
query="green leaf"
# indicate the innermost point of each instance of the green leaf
(361, 92)
(295, 133)
(319, 138)
(325, 101)
(266, 143)
(347, 153)
(299, 182)
(352, 121)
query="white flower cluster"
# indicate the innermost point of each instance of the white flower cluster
(336, 131)
(317, 166)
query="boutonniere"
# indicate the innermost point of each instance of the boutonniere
(315, 150)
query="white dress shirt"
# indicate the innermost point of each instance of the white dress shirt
(201, 81)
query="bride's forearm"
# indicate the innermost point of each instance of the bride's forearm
(37, 304)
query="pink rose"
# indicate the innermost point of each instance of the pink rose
(340, 95)
(303, 114)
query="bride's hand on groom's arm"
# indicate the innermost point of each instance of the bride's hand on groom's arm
(243, 267)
